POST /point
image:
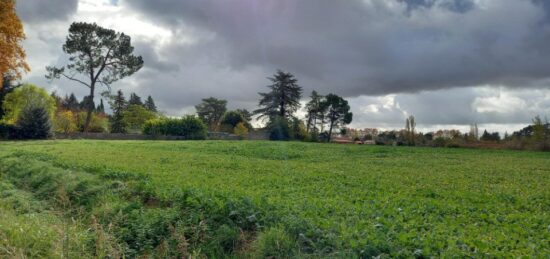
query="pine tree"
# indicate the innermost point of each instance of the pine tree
(280, 104)
(87, 104)
(211, 111)
(135, 100)
(313, 110)
(284, 98)
(58, 99)
(101, 55)
(100, 108)
(150, 104)
(70, 103)
(337, 112)
(34, 123)
(245, 113)
(117, 121)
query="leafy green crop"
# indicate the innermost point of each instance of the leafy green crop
(259, 199)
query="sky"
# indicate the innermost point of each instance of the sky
(450, 63)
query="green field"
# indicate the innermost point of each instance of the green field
(259, 199)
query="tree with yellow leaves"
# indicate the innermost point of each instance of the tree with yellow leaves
(241, 131)
(12, 55)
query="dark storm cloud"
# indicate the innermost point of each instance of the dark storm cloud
(372, 47)
(545, 5)
(428, 52)
(460, 6)
(36, 11)
(145, 49)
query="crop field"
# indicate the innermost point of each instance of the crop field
(254, 199)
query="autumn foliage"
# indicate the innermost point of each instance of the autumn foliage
(12, 55)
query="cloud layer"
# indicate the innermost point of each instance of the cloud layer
(36, 11)
(449, 62)
(372, 47)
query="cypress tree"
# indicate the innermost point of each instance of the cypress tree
(100, 108)
(117, 121)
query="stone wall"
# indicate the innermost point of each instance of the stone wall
(113, 136)
(254, 135)
(258, 135)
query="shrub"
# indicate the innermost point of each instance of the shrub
(135, 116)
(439, 142)
(98, 124)
(27, 96)
(314, 136)
(275, 243)
(7, 131)
(241, 130)
(231, 119)
(298, 129)
(65, 122)
(279, 129)
(34, 123)
(189, 127)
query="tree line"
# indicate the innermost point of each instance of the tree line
(278, 107)
(69, 114)
(99, 57)
(534, 137)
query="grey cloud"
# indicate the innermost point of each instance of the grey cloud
(36, 11)
(372, 48)
(545, 5)
(429, 52)
(153, 61)
(459, 6)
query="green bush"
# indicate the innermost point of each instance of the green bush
(135, 117)
(189, 127)
(439, 142)
(298, 130)
(231, 119)
(279, 129)
(7, 131)
(99, 123)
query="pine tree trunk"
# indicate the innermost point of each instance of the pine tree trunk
(90, 109)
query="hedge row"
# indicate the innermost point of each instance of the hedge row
(189, 127)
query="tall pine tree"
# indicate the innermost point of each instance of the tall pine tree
(87, 102)
(313, 110)
(117, 121)
(134, 100)
(283, 99)
(280, 104)
(150, 104)
(337, 112)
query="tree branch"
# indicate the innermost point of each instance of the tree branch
(75, 79)
(104, 63)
